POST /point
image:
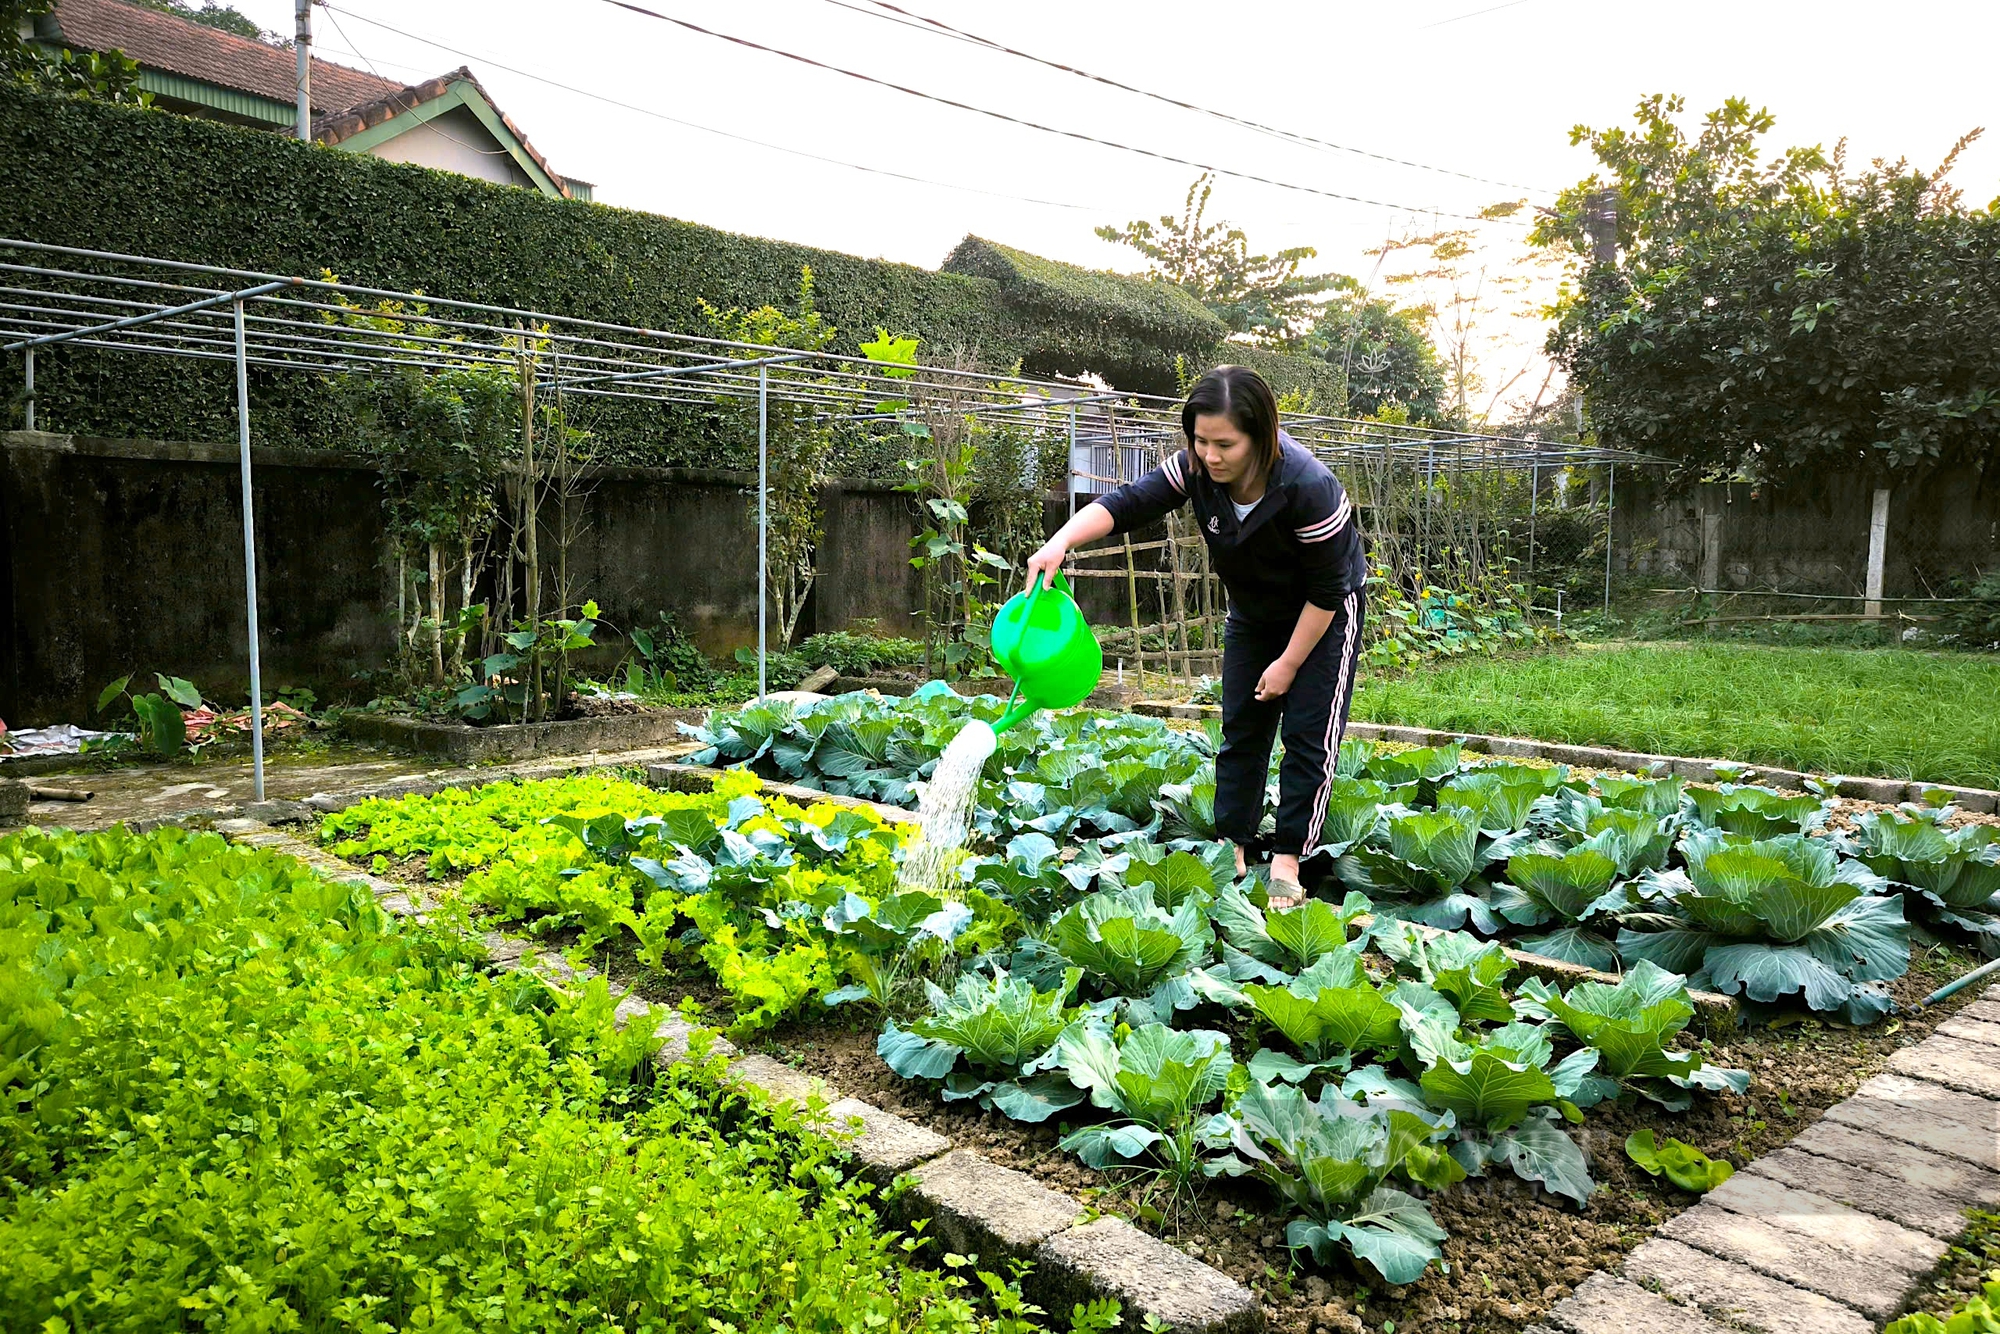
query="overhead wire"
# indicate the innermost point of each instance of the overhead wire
(1057, 131)
(882, 9)
(709, 129)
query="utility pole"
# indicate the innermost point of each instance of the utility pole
(302, 39)
(1600, 223)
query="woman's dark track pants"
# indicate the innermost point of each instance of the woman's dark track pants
(1314, 713)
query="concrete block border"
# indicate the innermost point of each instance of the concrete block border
(1832, 1233)
(974, 1204)
(1888, 791)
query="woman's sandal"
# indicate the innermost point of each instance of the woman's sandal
(1292, 896)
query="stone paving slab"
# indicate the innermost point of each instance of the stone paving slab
(1837, 1225)
(1873, 1285)
(1607, 1304)
(1927, 1115)
(886, 1145)
(1740, 1296)
(779, 1081)
(1969, 1027)
(1929, 1194)
(1985, 1010)
(978, 1207)
(1147, 1276)
(1970, 1067)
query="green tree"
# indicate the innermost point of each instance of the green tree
(223, 18)
(1262, 297)
(108, 76)
(1773, 314)
(1389, 361)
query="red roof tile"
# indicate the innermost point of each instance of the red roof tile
(177, 46)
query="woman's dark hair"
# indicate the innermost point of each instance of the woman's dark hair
(1240, 394)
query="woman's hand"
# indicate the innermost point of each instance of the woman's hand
(1276, 680)
(1047, 562)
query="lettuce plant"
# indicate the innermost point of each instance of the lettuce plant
(1159, 1079)
(1630, 1025)
(1132, 949)
(1774, 918)
(1004, 1029)
(1332, 1161)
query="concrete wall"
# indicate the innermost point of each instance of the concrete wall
(1807, 536)
(127, 555)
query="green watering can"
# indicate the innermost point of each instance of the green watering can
(1041, 640)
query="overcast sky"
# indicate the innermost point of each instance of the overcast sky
(1438, 82)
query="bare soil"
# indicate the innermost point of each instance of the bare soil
(1514, 1250)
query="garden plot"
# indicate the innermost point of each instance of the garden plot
(1361, 1118)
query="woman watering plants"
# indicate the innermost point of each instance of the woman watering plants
(1282, 535)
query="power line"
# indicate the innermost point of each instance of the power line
(1491, 9)
(710, 129)
(1077, 135)
(887, 12)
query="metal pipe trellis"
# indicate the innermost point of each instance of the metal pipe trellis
(60, 296)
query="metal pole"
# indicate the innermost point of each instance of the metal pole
(763, 515)
(249, 556)
(1610, 508)
(1069, 469)
(303, 39)
(28, 375)
(1534, 508)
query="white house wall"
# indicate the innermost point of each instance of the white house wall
(455, 141)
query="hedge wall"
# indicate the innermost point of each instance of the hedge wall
(1128, 330)
(147, 182)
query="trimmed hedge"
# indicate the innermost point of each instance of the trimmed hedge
(146, 182)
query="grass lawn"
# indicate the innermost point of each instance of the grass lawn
(1890, 713)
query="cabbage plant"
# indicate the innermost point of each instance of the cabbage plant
(1775, 918)
(1187, 810)
(1132, 949)
(1648, 796)
(1285, 942)
(1504, 795)
(1159, 1079)
(1004, 1030)
(1630, 1025)
(1570, 886)
(1417, 772)
(1760, 812)
(1436, 858)
(1332, 1160)
(1953, 875)
(1328, 1012)
(1352, 815)
(1509, 1095)
(885, 940)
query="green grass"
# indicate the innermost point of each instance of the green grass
(1891, 713)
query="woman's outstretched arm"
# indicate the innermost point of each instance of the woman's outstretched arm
(1086, 525)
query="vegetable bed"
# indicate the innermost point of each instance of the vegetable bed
(241, 1097)
(1356, 1105)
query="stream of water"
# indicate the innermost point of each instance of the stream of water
(945, 813)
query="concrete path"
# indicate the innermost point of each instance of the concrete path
(1833, 1233)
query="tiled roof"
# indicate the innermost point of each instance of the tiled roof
(165, 42)
(331, 129)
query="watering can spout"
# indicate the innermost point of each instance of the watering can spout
(1041, 640)
(1014, 714)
